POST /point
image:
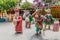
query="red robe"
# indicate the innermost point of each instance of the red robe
(56, 26)
(19, 25)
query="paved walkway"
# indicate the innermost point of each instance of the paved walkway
(7, 32)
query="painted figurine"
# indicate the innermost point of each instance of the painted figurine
(56, 26)
(18, 27)
(17, 20)
(28, 19)
(15, 17)
(48, 19)
(27, 22)
(38, 21)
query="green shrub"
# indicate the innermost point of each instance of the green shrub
(7, 4)
(26, 5)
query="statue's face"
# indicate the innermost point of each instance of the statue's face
(38, 12)
(48, 11)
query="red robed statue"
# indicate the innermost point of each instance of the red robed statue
(19, 25)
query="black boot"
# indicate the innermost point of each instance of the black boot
(26, 26)
(36, 33)
(29, 26)
(49, 28)
(40, 32)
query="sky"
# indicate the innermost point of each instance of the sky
(28, 1)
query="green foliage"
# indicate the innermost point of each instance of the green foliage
(10, 5)
(44, 0)
(49, 1)
(57, 3)
(26, 5)
(7, 4)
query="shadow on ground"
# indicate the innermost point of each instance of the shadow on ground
(36, 37)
